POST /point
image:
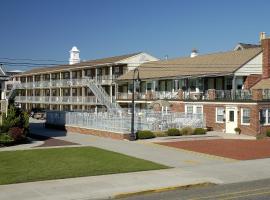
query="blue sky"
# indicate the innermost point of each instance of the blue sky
(47, 29)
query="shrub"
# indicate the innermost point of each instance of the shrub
(237, 130)
(160, 134)
(5, 138)
(11, 120)
(25, 120)
(16, 133)
(173, 132)
(145, 134)
(187, 130)
(199, 131)
(267, 133)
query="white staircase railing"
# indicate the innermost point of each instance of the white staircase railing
(102, 95)
(12, 92)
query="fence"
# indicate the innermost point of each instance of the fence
(120, 121)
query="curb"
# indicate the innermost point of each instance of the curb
(162, 189)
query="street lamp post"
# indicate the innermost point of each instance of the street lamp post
(133, 134)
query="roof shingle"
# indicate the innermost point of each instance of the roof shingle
(210, 64)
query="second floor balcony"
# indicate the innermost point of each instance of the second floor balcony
(104, 79)
(208, 95)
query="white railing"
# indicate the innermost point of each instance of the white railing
(149, 95)
(57, 99)
(121, 121)
(104, 79)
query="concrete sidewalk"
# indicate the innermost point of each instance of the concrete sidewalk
(110, 186)
(172, 157)
(100, 187)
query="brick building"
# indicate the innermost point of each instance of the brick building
(230, 88)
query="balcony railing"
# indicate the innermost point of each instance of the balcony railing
(57, 99)
(104, 79)
(226, 95)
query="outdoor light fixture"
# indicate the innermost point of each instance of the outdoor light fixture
(137, 82)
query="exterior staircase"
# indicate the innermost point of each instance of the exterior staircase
(102, 95)
(12, 92)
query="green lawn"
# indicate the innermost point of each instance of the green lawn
(44, 164)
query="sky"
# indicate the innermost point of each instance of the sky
(47, 29)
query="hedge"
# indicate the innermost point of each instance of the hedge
(145, 134)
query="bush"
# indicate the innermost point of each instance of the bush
(11, 120)
(160, 134)
(16, 133)
(5, 139)
(237, 130)
(267, 133)
(187, 131)
(25, 120)
(173, 132)
(145, 134)
(199, 131)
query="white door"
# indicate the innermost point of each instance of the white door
(231, 119)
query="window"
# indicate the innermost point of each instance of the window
(116, 70)
(231, 115)
(265, 116)
(245, 112)
(149, 86)
(198, 110)
(220, 115)
(189, 109)
(194, 109)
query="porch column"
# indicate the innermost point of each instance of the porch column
(110, 81)
(233, 86)
(96, 70)
(83, 98)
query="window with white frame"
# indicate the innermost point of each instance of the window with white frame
(194, 109)
(220, 114)
(245, 113)
(265, 116)
(189, 109)
(198, 109)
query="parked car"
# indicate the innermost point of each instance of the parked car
(38, 114)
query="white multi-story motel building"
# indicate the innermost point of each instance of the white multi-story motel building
(232, 89)
(87, 85)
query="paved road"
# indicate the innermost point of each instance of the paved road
(255, 190)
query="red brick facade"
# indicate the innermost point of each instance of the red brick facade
(253, 129)
(266, 57)
(118, 136)
(251, 80)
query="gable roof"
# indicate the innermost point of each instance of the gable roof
(209, 64)
(90, 63)
(241, 46)
(262, 84)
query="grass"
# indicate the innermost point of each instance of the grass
(46, 164)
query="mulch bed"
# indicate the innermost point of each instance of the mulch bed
(49, 142)
(235, 149)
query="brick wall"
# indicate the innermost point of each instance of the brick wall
(210, 117)
(99, 133)
(177, 106)
(254, 128)
(251, 80)
(266, 57)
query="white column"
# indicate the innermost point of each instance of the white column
(96, 74)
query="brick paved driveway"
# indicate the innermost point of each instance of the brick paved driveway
(235, 149)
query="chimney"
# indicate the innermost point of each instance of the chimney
(194, 53)
(265, 43)
(74, 56)
(262, 36)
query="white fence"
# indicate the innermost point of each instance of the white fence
(121, 121)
